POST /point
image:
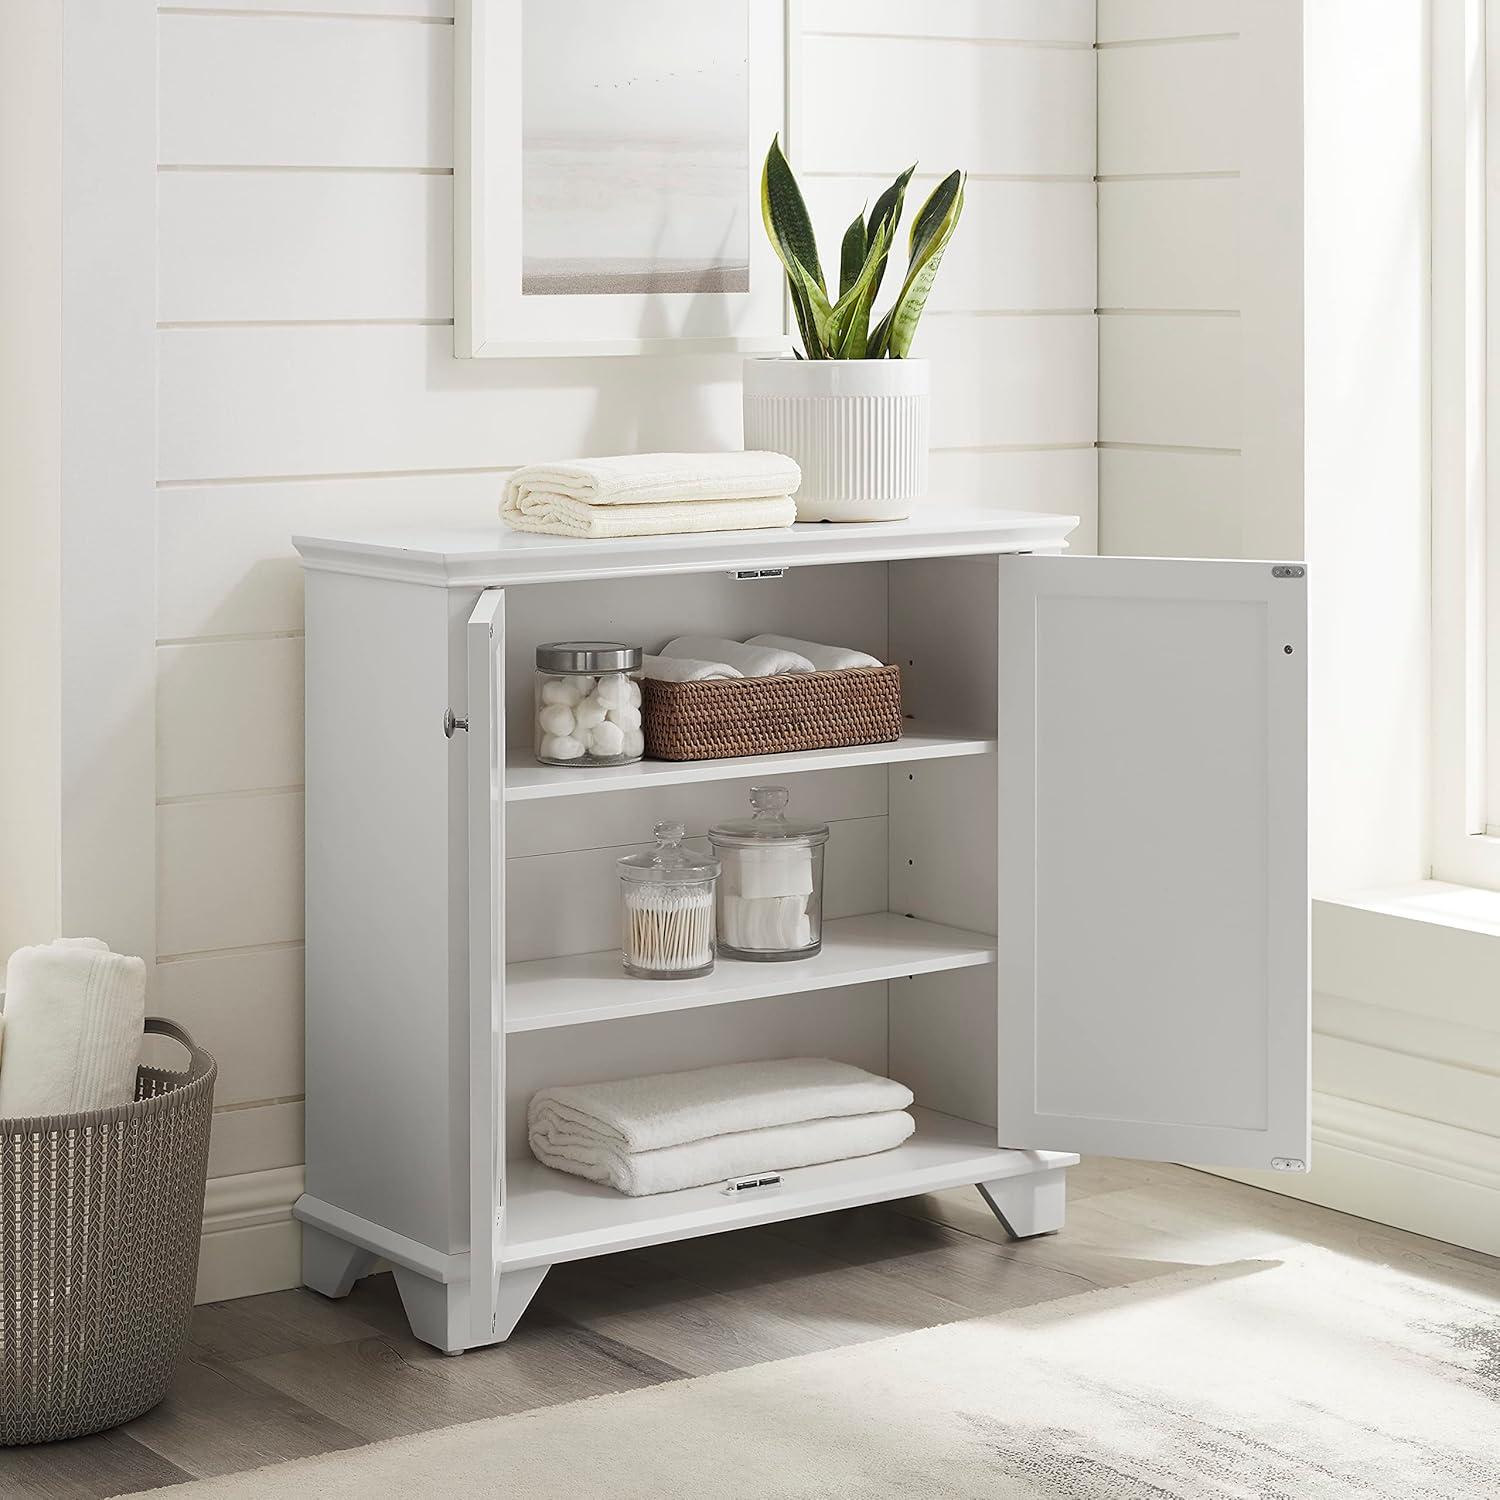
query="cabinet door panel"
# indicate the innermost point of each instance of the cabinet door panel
(1153, 864)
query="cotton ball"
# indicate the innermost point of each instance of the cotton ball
(589, 713)
(633, 692)
(613, 692)
(635, 743)
(561, 747)
(557, 719)
(627, 717)
(607, 739)
(560, 690)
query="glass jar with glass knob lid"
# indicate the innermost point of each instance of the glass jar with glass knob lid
(667, 905)
(771, 891)
(588, 704)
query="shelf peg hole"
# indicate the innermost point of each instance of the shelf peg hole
(1287, 649)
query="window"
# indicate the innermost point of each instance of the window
(1465, 811)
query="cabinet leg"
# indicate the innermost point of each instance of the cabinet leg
(1031, 1205)
(331, 1265)
(439, 1312)
(517, 1288)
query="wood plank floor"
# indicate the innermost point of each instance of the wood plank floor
(292, 1374)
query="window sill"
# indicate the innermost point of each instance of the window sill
(1466, 907)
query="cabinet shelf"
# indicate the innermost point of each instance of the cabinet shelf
(548, 992)
(551, 1216)
(526, 781)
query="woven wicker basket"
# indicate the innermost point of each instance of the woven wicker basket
(100, 1216)
(771, 715)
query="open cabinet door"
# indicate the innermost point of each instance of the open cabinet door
(486, 752)
(1153, 859)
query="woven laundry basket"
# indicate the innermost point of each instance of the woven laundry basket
(771, 715)
(100, 1215)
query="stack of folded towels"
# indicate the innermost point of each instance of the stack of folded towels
(679, 1130)
(704, 658)
(653, 494)
(75, 1016)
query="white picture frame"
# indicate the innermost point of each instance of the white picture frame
(494, 317)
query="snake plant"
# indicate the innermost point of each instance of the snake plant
(839, 327)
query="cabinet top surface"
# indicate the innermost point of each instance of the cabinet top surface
(481, 556)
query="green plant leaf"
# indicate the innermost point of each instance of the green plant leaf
(790, 231)
(887, 211)
(849, 323)
(930, 233)
(852, 254)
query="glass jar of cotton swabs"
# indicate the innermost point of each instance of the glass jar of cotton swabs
(667, 906)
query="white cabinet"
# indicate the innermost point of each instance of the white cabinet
(1068, 907)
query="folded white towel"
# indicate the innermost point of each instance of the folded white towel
(669, 1109)
(824, 658)
(772, 1149)
(561, 515)
(653, 494)
(749, 661)
(654, 478)
(75, 1014)
(684, 669)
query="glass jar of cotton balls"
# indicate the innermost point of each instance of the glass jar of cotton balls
(588, 704)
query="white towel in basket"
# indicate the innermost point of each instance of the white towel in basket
(749, 661)
(824, 658)
(75, 1014)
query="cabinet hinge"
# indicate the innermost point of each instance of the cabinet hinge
(740, 575)
(1288, 1164)
(1288, 570)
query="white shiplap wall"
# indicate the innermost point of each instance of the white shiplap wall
(1170, 365)
(306, 382)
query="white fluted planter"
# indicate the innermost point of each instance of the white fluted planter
(858, 428)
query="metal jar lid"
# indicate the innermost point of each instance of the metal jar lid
(588, 656)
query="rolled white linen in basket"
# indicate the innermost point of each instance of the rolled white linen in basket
(824, 658)
(693, 1163)
(75, 1015)
(749, 661)
(684, 669)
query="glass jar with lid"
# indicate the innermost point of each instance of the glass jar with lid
(771, 890)
(667, 906)
(588, 704)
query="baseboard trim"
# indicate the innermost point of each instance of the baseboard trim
(1415, 1174)
(251, 1243)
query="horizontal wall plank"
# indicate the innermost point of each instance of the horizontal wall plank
(238, 246)
(1170, 504)
(229, 873)
(275, 401)
(1019, 244)
(302, 91)
(1173, 108)
(256, 1140)
(1062, 481)
(228, 716)
(399, 9)
(225, 562)
(996, 110)
(1146, 20)
(992, 20)
(1170, 380)
(246, 1009)
(1172, 244)
(1011, 380)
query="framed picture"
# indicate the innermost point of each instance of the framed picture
(608, 155)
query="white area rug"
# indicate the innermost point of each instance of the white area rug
(1322, 1379)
